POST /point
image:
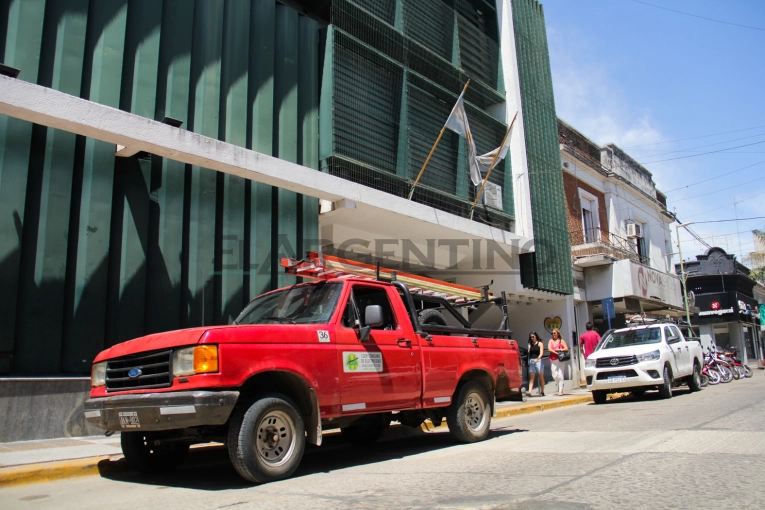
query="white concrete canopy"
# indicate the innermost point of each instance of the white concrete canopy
(48, 107)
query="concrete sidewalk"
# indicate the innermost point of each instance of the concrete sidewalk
(54, 459)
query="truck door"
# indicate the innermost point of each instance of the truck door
(383, 372)
(676, 348)
(686, 364)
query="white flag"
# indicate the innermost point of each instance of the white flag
(483, 163)
(458, 122)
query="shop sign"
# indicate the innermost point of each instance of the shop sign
(651, 284)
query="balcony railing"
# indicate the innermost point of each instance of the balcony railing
(596, 241)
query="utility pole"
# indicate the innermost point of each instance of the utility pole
(738, 231)
(683, 276)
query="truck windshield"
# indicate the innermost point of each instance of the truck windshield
(632, 337)
(301, 304)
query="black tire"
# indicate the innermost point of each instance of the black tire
(367, 430)
(665, 389)
(694, 381)
(599, 396)
(432, 317)
(469, 416)
(266, 441)
(142, 454)
(704, 380)
(637, 392)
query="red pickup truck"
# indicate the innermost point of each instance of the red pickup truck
(339, 353)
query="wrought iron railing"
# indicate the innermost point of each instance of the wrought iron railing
(596, 241)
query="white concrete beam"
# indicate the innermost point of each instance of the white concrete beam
(48, 107)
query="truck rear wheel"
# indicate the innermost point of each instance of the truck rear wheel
(266, 441)
(469, 416)
(366, 430)
(143, 454)
(694, 382)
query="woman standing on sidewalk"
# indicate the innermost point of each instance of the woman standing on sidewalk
(536, 350)
(557, 345)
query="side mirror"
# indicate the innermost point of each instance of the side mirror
(373, 316)
(673, 339)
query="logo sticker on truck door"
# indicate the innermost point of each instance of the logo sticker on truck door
(362, 362)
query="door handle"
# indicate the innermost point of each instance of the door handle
(404, 342)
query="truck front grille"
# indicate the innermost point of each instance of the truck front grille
(620, 361)
(153, 371)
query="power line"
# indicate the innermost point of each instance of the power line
(718, 191)
(735, 219)
(704, 146)
(703, 153)
(713, 178)
(697, 16)
(694, 137)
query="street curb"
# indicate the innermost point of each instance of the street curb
(60, 470)
(51, 471)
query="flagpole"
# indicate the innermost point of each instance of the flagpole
(432, 150)
(493, 162)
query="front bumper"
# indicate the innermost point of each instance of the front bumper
(160, 411)
(647, 373)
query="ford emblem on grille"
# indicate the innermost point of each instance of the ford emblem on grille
(614, 362)
(134, 372)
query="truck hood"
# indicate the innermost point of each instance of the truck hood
(156, 342)
(625, 351)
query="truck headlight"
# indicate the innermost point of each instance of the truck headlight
(649, 356)
(589, 363)
(201, 359)
(98, 374)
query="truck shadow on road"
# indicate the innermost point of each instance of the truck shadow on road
(649, 396)
(209, 468)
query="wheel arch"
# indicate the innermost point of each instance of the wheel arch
(293, 386)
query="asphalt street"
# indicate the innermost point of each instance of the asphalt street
(696, 450)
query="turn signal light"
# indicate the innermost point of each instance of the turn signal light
(205, 359)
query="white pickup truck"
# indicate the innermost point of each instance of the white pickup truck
(640, 358)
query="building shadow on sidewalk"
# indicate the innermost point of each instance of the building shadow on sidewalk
(209, 468)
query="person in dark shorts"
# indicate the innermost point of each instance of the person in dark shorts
(536, 368)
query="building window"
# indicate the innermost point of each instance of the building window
(590, 223)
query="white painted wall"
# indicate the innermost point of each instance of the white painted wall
(518, 161)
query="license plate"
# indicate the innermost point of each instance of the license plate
(129, 420)
(617, 379)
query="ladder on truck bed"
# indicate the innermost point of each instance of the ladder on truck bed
(324, 267)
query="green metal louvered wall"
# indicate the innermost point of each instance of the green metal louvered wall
(96, 250)
(549, 267)
(392, 72)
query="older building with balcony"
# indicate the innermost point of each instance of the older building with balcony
(619, 231)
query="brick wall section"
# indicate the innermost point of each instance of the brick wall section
(571, 186)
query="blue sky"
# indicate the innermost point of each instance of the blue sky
(643, 77)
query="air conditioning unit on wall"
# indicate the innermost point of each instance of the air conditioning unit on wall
(633, 230)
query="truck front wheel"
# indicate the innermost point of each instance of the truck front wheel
(266, 441)
(144, 454)
(469, 416)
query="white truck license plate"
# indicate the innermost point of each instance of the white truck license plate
(617, 379)
(129, 420)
